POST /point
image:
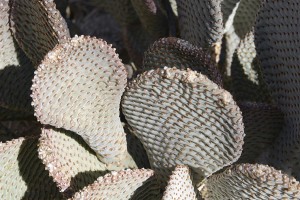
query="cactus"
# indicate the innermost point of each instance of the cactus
(210, 113)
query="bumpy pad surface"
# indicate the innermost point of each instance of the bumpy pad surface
(122, 185)
(22, 175)
(248, 181)
(78, 87)
(247, 81)
(180, 185)
(278, 46)
(38, 26)
(200, 21)
(263, 124)
(245, 16)
(16, 72)
(182, 117)
(175, 52)
(68, 159)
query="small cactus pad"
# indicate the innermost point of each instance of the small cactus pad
(278, 45)
(247, 181)
(183, 116)
(175, 52)
(66, 156)
(37, 26)
(22, 175)
(78, 87)
(180, 185)
(122, 185)
(200, 21)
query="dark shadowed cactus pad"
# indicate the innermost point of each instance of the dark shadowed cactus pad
(200, 21)
(37, 26)
(182, 117)
(247, 181)
(175, 52)
(278, 45)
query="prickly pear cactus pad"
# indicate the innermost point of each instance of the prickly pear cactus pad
(200, 21)
(22, 174)
(182, 117)
(247, 181)
(263, 123)
(16, 73)
(151, 16)
(37, 26)
(122, 185)
(181, 54)
(68, 159)
(78, 87)
(278, 44)
(180, 185)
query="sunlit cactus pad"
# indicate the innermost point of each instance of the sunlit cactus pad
(78, 87)
(247, 181)
(122, 185)
(183, 116)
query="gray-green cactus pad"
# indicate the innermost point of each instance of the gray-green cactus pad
(180, 186)
(122, 185)
(78, 87)
(247, 181)
(22, 174)
(69, 160)
(182, 117)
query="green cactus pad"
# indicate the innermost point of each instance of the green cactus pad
(37, 26)
(122, 185)
(175, 52)
(247, 181)
(277, 42)
(78, 87)
(22, 174)
(69, 160)
(200, 21)
(180, 185)
(263, 124)
(182, 117)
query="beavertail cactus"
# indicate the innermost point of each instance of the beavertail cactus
(247, 181)
(42, 24)
(178, 131)
(182, 115)
(122, 185)
(87, 85)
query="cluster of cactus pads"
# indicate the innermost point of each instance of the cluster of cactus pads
(195, 99)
